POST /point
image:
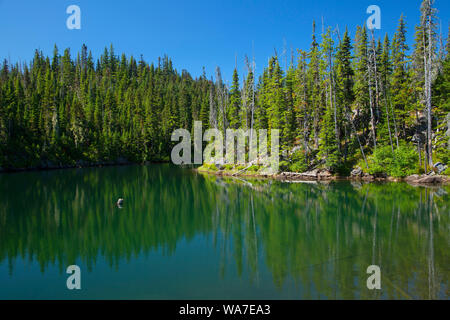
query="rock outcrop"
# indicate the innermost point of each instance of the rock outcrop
(356, 173)
(315, 174)
(426, 179)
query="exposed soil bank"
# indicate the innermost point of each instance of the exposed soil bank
(324, 175)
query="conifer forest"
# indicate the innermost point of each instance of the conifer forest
(363, 99)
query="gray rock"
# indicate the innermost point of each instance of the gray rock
(357, 172)
(312, 173)
(440, 167)
(414, 177)
(295, 149)
(430, 180)
(325, 174)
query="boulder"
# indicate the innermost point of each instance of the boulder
(430, 180)
(313, 173)
(357, 173)
(325, 174)
(412, 178)
(440, 167)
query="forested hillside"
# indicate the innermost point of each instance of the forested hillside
(347, 100)
(61, 110)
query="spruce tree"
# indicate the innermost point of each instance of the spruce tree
(235, 102)
(400, 80)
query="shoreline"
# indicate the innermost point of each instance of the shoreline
(312, 176)
(80, 165)
(415, 180)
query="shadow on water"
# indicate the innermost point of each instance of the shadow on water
(321, 237)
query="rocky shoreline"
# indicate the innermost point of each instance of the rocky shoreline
(325, 175)
(313, 175)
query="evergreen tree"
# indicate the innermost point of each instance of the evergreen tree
(345, 95)
(400, 80)
(235, 103)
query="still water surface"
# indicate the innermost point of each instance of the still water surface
(183, 235)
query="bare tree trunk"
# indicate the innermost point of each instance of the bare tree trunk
(418, 140)
(428, 88)
(388, 122)
(212, 109)
(420, 154)
(222, 96)
(395, 122)
(357, 137)
(372, 119)
(372, 58)
(253, 98)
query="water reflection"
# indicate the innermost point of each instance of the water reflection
(321, 237)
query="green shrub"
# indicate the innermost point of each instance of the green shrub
(298, 162)
(208, 167)
(403, 162)
(284, 166)
(446, 172)
(298, 167)
(228, 167)
(443, 155)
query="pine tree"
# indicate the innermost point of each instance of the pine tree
(275, 98)
(385, 72)
(428, 25)
(441, 101)
(235, 103)
(313, 78)
(328, 53)
(361, 86)
(345, 95)
(328, 146)
(400, 80)
(301, 104)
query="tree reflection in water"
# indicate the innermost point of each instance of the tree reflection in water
(320, 236)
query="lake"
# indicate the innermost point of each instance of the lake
(184, 235)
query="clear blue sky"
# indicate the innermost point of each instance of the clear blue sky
(193, 33)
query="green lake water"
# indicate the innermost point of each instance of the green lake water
(184, 235)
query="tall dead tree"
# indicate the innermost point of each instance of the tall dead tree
(212, 108)
(251, 85)
(428, 25)
(372, 73)
(222, 97)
